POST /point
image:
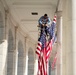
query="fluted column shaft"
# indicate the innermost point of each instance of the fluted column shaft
(59, 42)
(69, 38)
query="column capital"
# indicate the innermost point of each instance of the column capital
(27, 40)
(59, 13)
(16, 27)
(6, 13)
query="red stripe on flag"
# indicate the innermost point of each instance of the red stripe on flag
(42, 65)
(54, 20)
(38, 49)
(48, 50)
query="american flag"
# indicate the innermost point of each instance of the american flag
(42, 66)
(51, 31)
(44, 49)
(42, 39)
(41, 52)
(48, 50)
(41, 43)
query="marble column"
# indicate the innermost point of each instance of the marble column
(67, 37)
(16, 61)
(26, 63)
(74, 35)
(15, 53)
(59, 42)
(36, 63)
(3, 42)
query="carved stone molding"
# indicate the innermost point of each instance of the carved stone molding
(6, 14)
(59, 13)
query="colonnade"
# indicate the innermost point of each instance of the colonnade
(16, 50)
